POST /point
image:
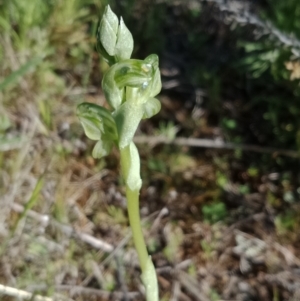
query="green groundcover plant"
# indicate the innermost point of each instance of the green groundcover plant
(130, 87)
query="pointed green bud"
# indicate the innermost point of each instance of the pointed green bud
(114, 40)
(124, 46)
(108, 30)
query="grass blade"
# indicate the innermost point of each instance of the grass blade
(14, 77)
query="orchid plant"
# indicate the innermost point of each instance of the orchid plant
(130, 87)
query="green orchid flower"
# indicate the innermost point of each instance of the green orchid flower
(130, 87)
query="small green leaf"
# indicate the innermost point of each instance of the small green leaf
(92, 127)
(102, 149)
(151, 107)
(108, 30)
(150, 282)
(124, 46)
(96, 121)
(130, 162)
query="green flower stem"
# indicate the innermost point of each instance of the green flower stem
(135, 224)
(148, 271)
(134, 216)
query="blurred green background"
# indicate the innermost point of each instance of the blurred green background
(231, 73)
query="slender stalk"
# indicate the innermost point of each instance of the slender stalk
(134, 214)
(130, 165)
(135, 224)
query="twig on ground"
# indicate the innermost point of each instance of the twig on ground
(41, 218)
(157, 222)
(289, 280)
(289, 257)
(89, 182)
(7, 271)
(176, 291)
(79, 290)
(192, 286)
(184, 297)
(13, 292)
(218, 144)
(67, 230)
(230, 287)
(93, 241)
(250, 219)
(184, 264)
(97, 273)
(121, 276)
